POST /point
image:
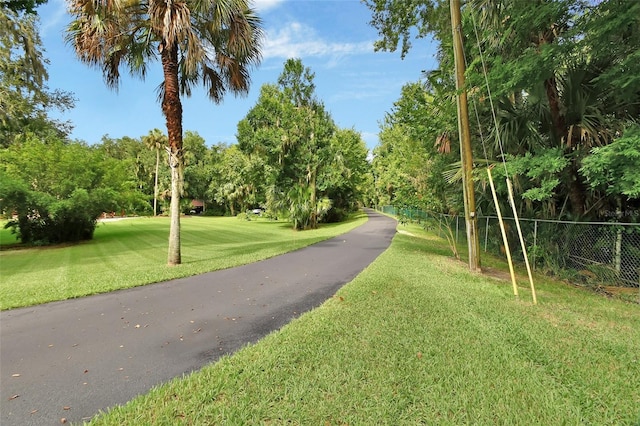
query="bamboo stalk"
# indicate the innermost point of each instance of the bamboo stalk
(522, 244)
(504, 234)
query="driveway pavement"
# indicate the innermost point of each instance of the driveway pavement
(71, 359)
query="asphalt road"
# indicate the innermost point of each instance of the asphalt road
(71, 359)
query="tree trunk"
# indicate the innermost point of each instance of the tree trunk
(559, 127)
(560, 132)
(576, 190)
(174, 210)
(172, 109)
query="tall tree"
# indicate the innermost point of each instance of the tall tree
(25, 98)
(293, 130)
(346, 178)
(563, 79)
(155, 141)
(308, 138)
(234, 189)
(395, 20)
(197, 174)
(208, 41)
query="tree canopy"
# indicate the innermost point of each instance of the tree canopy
(552, 84)
(313, 170)
(25, 98)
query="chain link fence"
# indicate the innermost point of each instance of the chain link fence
(601, 253)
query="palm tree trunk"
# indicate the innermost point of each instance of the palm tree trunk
(575, 187)
(560, 131)
(557, 119)
(172, 109)
(174, 257)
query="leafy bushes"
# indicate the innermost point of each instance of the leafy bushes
(296, 205)
(54, 191)
(41, 219)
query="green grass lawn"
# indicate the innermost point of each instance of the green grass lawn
(417, 339)
(133, 252)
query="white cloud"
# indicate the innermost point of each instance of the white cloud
(371, 139)
(368, 85)
(55, 12)
(263, 5)
(297, 40)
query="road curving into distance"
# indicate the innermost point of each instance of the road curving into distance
(68, 360)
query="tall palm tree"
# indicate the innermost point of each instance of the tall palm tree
(156, 141)
(214, 42)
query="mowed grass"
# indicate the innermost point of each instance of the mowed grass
(133, 252)
(417, 339)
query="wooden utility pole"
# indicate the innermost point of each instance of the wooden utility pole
(465, 141)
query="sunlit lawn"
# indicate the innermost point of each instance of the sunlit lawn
(133, 252)
(417, 339)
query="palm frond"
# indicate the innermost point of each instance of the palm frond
(218, 41)
(454, 173)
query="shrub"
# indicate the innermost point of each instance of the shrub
(243, 216)
(41, 219)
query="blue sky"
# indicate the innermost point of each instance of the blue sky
(332, 37)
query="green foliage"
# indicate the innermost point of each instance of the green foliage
(57, 189)
(52, 165)
(290, 149)
(396, 19)
(614, 168)
(415, 148)
(612, 38)
(128, 166)
(25, 98)
(347, 181)
(239, 179)
(244, 216)
(543, 169)
(295, 205)
(43, 219)
(156, 141)
(28, 6)
(558, 77)
(196, 170)
(543, 192)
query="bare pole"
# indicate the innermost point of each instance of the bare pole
(464, 132)
(503, 231)
(522, 243)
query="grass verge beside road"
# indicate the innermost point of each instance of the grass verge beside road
(417, 339)
(133, 252)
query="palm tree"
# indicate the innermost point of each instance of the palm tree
(214, 42)
(156, 141)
